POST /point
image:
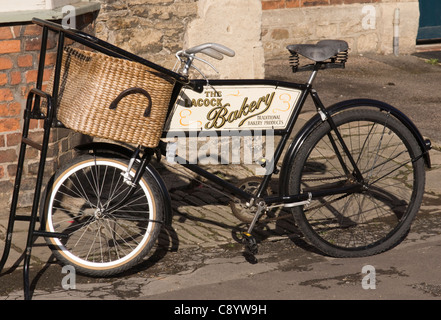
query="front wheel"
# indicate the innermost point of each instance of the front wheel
(105, 233)
(378, 216)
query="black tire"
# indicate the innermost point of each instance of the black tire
(104, 237)
(371, 221)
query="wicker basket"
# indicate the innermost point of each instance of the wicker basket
(90, 82)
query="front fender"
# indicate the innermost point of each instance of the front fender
(106, 149)
(304, 132)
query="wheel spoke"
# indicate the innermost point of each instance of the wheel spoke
(352, 224)
(79, 206)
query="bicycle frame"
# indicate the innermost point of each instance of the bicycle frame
(198, 86)
(305, 91)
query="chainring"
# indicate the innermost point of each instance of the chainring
(239, 208)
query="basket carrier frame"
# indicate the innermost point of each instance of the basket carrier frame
(32, 111)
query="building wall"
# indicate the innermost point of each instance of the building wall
(19, 54)
(235, 24)
(153, 29)
(157, 29)
(258, 30)
(367, 25)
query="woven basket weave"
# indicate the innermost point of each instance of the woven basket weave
(90, 82)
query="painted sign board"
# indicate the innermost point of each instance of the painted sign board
(235, 107)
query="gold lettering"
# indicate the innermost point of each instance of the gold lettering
(267, 101)
(253, 106)
(213, 102)
(232, 116)
(218, 116)
(211, 94)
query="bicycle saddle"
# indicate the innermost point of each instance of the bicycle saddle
(320, 51)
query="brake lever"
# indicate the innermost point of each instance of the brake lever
(205, 61)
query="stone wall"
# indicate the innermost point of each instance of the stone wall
(157, 29)
(153, 29)
(257, 30)
(367, 25)
(237, 25)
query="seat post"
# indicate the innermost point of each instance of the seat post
(311, 79)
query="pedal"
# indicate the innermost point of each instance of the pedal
(262, 162)
(250, 243)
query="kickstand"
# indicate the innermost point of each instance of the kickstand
(251, 248)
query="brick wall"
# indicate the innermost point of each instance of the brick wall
(19, 54)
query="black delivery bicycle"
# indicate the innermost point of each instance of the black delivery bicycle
(353, 176)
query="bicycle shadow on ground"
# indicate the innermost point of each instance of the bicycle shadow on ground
(203, 217)
(200, 207)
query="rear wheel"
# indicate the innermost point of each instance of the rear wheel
(376, 218)
(105, 235)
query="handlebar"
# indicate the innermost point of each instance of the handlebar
(214, 50)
